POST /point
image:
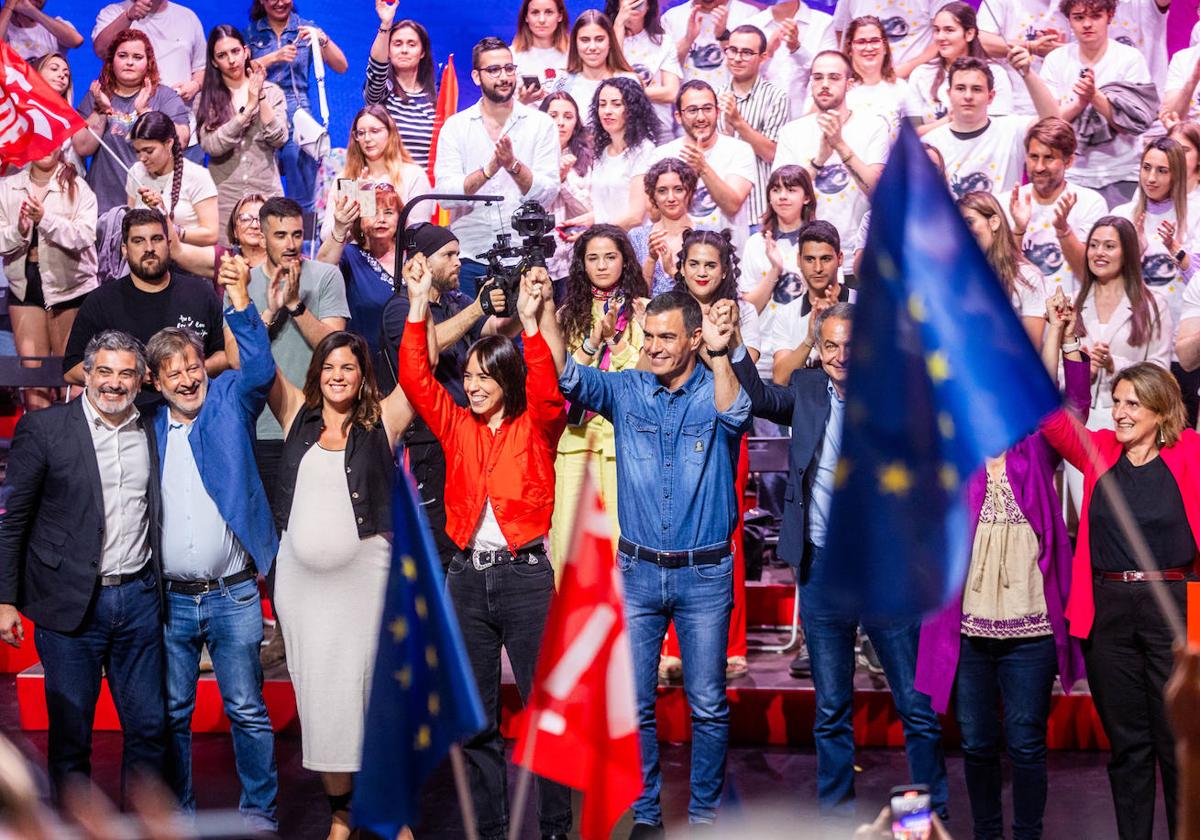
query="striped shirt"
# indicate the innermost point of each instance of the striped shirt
(412, 114)
(765, 109)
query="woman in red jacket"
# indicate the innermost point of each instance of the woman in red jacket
(1153, 462)
(499, 501)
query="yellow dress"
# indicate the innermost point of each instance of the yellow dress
(594, 437)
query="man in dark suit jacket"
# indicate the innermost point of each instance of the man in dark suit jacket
(79, 551)
(812, 403)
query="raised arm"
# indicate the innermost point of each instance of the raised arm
(242, 321)
(428, 397)
(718, 330)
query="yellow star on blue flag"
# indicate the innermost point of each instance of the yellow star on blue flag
(949, 378)
(423, 694)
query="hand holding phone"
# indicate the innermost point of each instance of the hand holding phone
(912, 818)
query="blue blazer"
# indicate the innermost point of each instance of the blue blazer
(804, 405)
(223, 436)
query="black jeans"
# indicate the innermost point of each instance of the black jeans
(1128, 658)
(1019, 674)
(427, 462)
(123, 636)
(504, 606)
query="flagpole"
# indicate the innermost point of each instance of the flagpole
(464, 791)
(115, 157)
(523, 780)
(1133, 536)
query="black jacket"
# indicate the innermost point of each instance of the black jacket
(802, 404)
(52, 535)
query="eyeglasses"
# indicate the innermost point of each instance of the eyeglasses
(867, 42)
(383, 186)
(696, 110)
(375, 131)
(734, 52)
(495, 70)
(249, 219)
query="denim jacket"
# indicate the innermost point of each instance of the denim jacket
(293, 78)
(223, 436)
(676, 454)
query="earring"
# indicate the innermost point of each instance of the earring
(1162, 439)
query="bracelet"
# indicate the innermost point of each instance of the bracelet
(588, 348)
(515, 168)
(483, 171)
(1070, 346)
(333, 235)
(712, 354)
(385, 29)
(1018, 232)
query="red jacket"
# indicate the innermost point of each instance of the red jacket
(514, 466)
(1182, 459)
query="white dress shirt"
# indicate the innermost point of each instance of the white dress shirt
(123, 456)
(464, 147)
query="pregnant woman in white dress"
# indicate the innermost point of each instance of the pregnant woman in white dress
(335, 508)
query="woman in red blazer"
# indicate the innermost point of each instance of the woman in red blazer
(499, 500)
(1154, 463)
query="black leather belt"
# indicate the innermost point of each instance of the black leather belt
(674, 559)
(502, 557)
(1138, 576)
(203, 587)
(120, 580)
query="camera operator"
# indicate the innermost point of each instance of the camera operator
(495, 147)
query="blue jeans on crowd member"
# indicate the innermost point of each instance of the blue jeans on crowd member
(1019, 673)
(830, 634)
(122, 637)
(229, 621)
(469, 277)
(497, 606)
(699, 599)
(299, 170)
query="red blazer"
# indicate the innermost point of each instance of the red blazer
(514, 467)
(1182, 459)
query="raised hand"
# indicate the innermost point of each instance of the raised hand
(142, 101)
(288, 280)
(1085, 86)
(727, 106)
(234, 276)
(256, 76)
(418, 276)
(345, 212)
(101, 103)
(720, 15)
(1021, 209)
(716, 329)
(33, 208)
(1020, 59)
(1166, 235)
(1062, 213)
(772, 247)
(504, 152)
(693, 156)
(534, 290)
(1102, 356)
(565, 161)
(386, 9)
(789, 34)
(693, 25)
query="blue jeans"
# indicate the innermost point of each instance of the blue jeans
(830, 634)
(1019, 673)
(123, 636)
(299, 170)
(469, 276)
(698, 599)
(229, 621)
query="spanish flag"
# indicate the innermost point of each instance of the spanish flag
(447, 104)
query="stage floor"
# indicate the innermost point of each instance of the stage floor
(761, 779)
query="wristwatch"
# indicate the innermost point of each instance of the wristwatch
(298, 311)
(515, 168)
(1180, 255)
(713, 353)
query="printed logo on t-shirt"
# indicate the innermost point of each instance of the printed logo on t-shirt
(187, 322)
(1048, 257)
(643, 73)
(789, 287)
(972, 182)
(1159, 269)
(706, 56)
(895, 28)
(832, 179)
(1126, 40)
(702, 202)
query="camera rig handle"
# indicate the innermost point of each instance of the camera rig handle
(402, 224)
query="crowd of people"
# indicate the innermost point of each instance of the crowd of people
(710, 168)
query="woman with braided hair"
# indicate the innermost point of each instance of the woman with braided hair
(163, 180)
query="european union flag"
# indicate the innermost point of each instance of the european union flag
(942, 376)
(423, 694)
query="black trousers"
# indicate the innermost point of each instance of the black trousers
(1129, 659)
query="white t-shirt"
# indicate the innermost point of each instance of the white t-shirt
(175, 32)
(729, 158)
(1029, 292)
(195, 186)
(789, 71)
(535, 61)
(841, 201)
(749, 326)
(1142, 25)
(1116, 160)
(790, 325)
(755, 267)
(1015, 20)
(922, 103)
(648, 59)
(1159, 269)
(1040, 244)
(991, 159)
(887, 99)
(906, 24)
(33, 42)
(705, 59)
(611, 175)
(1179, 71)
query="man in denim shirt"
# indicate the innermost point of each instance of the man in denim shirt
(677, 429)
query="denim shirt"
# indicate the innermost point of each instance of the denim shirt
(676, 454)
(293, 78)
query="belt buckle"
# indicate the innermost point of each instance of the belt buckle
(1133, 577)
(480, 566)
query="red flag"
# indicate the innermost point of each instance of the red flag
(447, 104)
(34, 120)
(580, 725)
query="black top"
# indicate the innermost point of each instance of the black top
(370, 469)
(1157, 507)
(187, 301)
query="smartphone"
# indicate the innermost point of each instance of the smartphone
(532, 81)
(911, 816)
(347, 187)
(366, 201)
